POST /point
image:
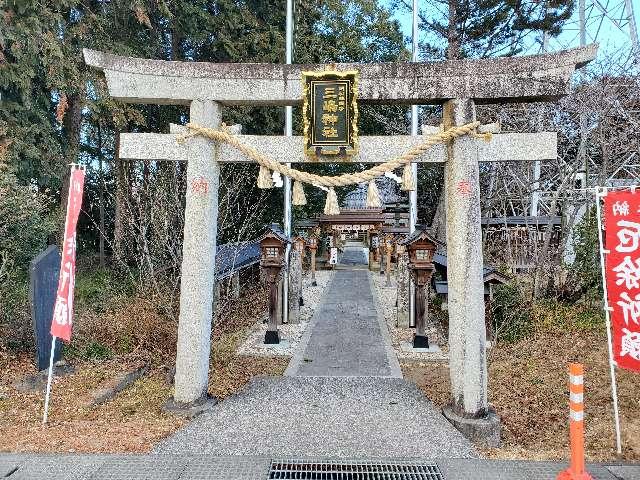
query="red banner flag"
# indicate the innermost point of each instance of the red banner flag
(622, 244)
(62, 322)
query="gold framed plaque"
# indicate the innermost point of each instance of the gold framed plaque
(330, 113)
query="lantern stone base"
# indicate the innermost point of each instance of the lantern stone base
(402, 319)
(420, 341)
(484, 431)
(272, 337)
(191, 409)
(434, 350)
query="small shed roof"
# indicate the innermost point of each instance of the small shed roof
(416, 235)
(274, 229)
(231, 257)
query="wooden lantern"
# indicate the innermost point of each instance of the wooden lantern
(272, 258)
(388, 244)
(313, 247)
(421, 247)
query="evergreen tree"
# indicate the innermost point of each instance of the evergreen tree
(486, 28)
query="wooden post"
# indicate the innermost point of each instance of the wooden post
(422, 277)
(389, 247)
(273, 336)
(313, 266)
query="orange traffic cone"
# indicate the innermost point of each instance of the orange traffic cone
(576, 470)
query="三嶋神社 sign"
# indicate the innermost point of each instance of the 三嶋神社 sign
(330, 113)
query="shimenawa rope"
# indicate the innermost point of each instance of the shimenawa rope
(331, 208)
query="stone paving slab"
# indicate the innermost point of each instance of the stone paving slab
(207, 467)
(460, 469)
(58, 467)
(9, 463)
(142, 467)
(227, 468)
(625, 472)
(322, 416)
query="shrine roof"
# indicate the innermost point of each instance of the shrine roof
(354, 216)
(421, 232)
(489, 274)
(388, 191)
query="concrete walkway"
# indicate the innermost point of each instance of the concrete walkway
(208, 467)
(347, 336)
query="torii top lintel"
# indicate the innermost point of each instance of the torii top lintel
(495, 80)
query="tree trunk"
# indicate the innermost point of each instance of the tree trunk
(119, 253)
(453, 35)
(100, 197)
(72, 124)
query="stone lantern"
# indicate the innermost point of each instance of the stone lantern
(313, 247)
(388, 250)
(374, 248)
(421, 248)
(295, 276)
(272, 258)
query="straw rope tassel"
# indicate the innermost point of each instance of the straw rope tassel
(298, 197)
(264, 178)
(408, 182)
(331, 206)
(373, 196)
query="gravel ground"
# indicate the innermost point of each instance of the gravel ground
(291, 333)
(387, 303)
(323, 416)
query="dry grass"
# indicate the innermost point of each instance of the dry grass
(133, 421)
(528, 387)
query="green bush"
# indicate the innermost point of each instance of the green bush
(24, 228)
(585, 269)
(90, 351)
(510, 313)
(96, 288)
(24, 225)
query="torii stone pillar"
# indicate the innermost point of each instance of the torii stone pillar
(469, 410)
(198, 261)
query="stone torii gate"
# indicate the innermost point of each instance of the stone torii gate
(457, 85)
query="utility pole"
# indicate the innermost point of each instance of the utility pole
(288, 132)
(413, 194)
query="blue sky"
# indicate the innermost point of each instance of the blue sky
(610, 37)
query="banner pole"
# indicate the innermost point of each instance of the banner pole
(600, 193)
(46, 397)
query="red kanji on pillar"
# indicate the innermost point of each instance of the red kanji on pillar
(622, 244)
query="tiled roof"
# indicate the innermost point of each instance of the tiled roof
(231, 257)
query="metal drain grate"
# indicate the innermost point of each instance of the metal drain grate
(346, 470)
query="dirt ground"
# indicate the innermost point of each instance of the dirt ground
(133, 331)
(528, 387)
(132, 422)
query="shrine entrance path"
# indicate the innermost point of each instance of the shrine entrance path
(347, 336)
(342, 395)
